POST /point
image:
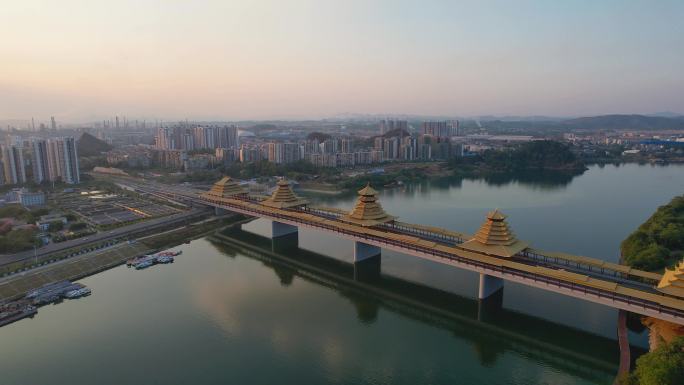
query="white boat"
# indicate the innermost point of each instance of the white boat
(78, 293)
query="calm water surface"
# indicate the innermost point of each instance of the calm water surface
(227, 314)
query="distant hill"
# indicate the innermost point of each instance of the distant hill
(89, 145)
(592, 123)
(626, 122)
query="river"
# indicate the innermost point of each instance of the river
(246, 314)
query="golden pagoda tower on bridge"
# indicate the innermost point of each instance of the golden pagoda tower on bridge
(283, 197)
(225, 188)
(495, 237)
(367, 211)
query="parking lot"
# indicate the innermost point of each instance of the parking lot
(101, 209)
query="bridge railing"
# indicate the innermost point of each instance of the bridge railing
(423, 233)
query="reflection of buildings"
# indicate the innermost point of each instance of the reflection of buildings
(490, 329)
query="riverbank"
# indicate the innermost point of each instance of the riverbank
(93, 262)
(16, 286)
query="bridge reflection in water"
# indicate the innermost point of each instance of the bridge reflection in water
(490, 329)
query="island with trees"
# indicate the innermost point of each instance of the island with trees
(657, 244)
(538, 155)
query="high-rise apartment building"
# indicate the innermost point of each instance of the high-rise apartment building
(228, 137)
(441, 129)
(13, 164)
(389, 125)
(62, 160)
(40, 161)
(72, 174)
(283, 152)
(346, 146)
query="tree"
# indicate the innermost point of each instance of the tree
(77, 226)
(653, 244)
(663, 366)
(56, 226)
(672, 236)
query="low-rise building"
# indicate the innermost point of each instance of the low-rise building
(46, 220)
(29, 199)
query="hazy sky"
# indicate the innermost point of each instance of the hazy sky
(91, 59)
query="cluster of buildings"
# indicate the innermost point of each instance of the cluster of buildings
(23, 197)
(395, 143)
(185, 147)
(330, 152)
(435, 141)
(40, 160)
(145, 156)
(182, 137)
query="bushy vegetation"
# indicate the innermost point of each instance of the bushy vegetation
(535, 155)
(18, 240)
(56, 226)
(663, 366)
(76, 226)
(294, 170)
(659, 241)
(379, 180)
(18, 212)
(13, 211)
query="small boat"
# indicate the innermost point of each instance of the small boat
(78, 293)
(165, 259)
(133, 261)
(143, 265)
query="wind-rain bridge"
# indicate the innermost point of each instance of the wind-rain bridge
(494, 252)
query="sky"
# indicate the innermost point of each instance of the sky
(82, 60)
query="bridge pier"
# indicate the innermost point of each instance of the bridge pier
(489, 285)
(366, 262)
(285, 242)
(281, 229)
(363, 251)
(488, 309)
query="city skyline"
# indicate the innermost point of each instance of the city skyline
(272, 60)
